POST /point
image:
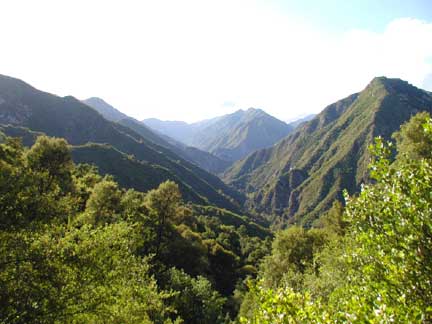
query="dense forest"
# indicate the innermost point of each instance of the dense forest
(78, 248)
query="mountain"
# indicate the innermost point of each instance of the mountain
(69, 118)
(236, 135)
(230, 137)
(303, 174)
(105, 109)
(205, 160)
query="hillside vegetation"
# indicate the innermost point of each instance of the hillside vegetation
(301, 176)
(23, 105)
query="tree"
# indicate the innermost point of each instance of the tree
(103, 205)
(292, 256)
(28, 191)
(223, 267)
(51, 156)
(391, 227)
(163, 203)
(195, 300)
(413, 140)
(78, 275)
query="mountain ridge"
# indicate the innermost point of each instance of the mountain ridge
(303, 174)
(69, 118)
(105, 109)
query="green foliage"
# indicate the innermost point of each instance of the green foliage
(51, 272)
(332, 220)
(28, 194)
(412, 140)
(223, 264)
(77, 275)
(51, 155)
(284, 306)
(380, 271)
(391, 226)
(195, 298)
(103, 205)
(292, 256)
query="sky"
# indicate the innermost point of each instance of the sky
(195, 59)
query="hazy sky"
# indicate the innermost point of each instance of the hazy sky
(190, 60)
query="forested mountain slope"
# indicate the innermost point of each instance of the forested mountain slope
(301, 176)
(23, 105)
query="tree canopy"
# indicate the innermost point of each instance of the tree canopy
(75, 247)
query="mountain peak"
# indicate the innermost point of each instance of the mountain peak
(96, 100)
(255, 111)
(105, 109)
(389, 83)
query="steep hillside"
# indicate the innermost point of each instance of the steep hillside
(23, 105)
(128, 171)
(105, 109)
(301, 176)
(230, 137)
(202, 159)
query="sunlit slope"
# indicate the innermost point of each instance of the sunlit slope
(301, 176)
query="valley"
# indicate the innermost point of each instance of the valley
(209, 220)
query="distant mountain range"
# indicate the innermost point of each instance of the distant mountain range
(201, 158)
(117, 149)
(303, 174)
(229, 137)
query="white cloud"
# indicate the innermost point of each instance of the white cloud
(187, 59)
